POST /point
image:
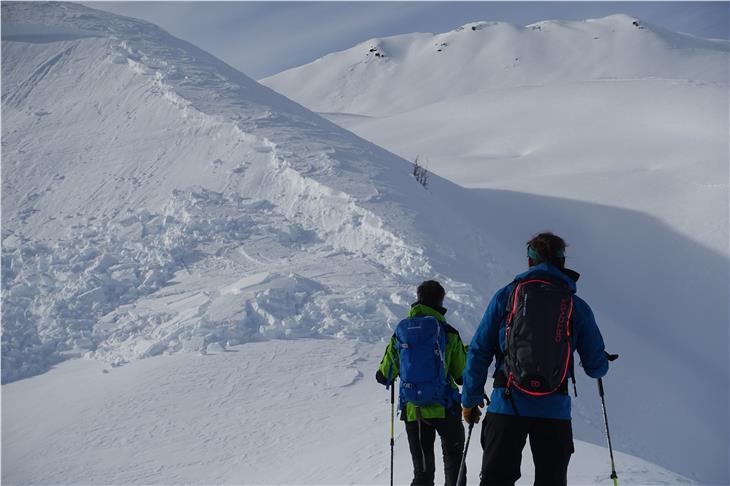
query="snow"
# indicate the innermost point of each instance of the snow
(660, 145)
(162, 176)
(615, 136)
(487, 56)
(281, 412)
(158, 204)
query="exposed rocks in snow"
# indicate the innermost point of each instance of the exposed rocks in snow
(375, 51)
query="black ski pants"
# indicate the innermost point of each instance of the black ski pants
(504, 437)
(451, 431)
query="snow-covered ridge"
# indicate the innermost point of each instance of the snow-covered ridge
(421, 68)
(143, 177)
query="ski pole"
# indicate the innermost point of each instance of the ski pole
(460, 477)
(391, 384)
(614, 476)
(392, 429)
(466, 449)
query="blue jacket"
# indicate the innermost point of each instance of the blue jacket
(586, 338)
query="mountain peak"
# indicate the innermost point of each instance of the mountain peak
(480, 25)
(496, 55)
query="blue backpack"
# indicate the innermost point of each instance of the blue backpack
(421, 347)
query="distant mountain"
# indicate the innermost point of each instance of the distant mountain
(385, 76)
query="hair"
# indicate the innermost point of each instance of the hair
(431, 292)
(550, 247)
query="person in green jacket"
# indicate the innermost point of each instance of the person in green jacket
(424, 422)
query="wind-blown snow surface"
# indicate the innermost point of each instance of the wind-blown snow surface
(155, 200)
(614, 134)
(233, 417)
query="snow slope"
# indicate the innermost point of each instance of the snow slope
(391, 75)
(167, 202)
(233, 417)
(614, 135)
(155, 201)
(657, 146)
(585, 110)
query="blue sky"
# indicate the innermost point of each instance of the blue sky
(263, 38)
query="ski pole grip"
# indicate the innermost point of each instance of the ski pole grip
(600, 386)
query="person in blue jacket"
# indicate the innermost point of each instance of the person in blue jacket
(513, 417)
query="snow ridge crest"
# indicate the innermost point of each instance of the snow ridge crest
(186, 206)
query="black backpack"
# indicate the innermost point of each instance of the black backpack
(537, 354)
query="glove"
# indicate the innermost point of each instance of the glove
(380, 378)
(611, 357)
(472, 414)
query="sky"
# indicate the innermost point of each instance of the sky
(264, 38)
